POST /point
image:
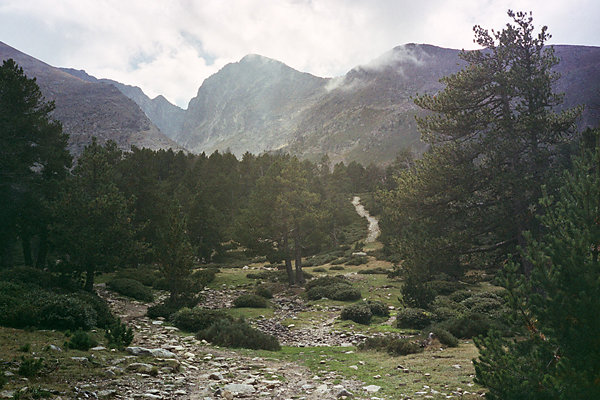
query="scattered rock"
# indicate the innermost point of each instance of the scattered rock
(372, 388)
(239, 388)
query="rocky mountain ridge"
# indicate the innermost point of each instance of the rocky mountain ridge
(260, 104)
(88, 109)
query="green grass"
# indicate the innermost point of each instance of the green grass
(395, 383)
(250, 313)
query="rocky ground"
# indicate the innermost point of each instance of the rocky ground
(167, 364)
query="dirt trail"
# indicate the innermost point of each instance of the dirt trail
(206, 372)
(374, 230)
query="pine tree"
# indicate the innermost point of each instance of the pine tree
(493, 142)
(559, 358)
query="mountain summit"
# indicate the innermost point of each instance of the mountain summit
(86, 108)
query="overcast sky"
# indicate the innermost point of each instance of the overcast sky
(169, 47)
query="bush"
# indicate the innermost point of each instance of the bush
(416, 292)
(250, 300)
(374, 271)
(357, 260)
(378, 308)
(336, 268)
(66, 312)
(469, 325)
(414, 318)
(104, 316)
(339, 261)
(161, 284)
(327, 281)
(403, 347)
(344, 293)
(162, 310)
(443, 287)
(119, 335)
(145, 275)
(28, 275)
(263, 291)
(319, 269)
(238, 334)
(460, 295)
(392, 345)
(445, 337)
(30, 367)
(484, 303)
(131, 288)
(359, 312)
(196, 319)
(202, 277)
(80, 340)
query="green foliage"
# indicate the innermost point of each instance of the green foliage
(263, 291)
(238, 334)
(416, 292)
(332, 287)
(357, 260)
(558, 356)
(145, 275)
(471, 325)
(319, 269)
(164, 310)
(119, 335)
(373, 271)
(413, 318)
(30, 366)
(336, 268)
(196, 319)
(66, 312)
(26, 348)
(403, 348)
(358, 312)
(81, 340)
(445, 337)
(392, 345)
(250, 300)
(131, 288)
(378, 308)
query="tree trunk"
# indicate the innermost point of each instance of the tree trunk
(288, 261)
(26, 243)
(89, 278)
(40, 261)
(298, 257)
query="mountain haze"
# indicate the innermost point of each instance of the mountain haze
(259, 104)
(88, 109)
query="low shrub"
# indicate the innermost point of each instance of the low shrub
(81, 340)
(403, 347)
(145, 275)
(131, 288)
(327, 281)
(238, 334)
(263, 291)
(196, 319)
(416, 292)
(317, 293)
(202, 277)
(378, 308)
(468, 326)
(319, 269)
(484, 303)
(414, 318)
(446, 338)
(392, 345)
(30, 367)
(119, 335)
(66, 312)
(344, 293)
(444, 287)
(250, 300)
(104, 316)
(336, 268)
(359, 312)
(340, 261)
(460, 295)
(357, 260)
(374, 271)
(162, 310)
(161, 284)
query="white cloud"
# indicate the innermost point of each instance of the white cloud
(170, 47)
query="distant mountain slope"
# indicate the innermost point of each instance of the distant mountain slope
(251, 105)
(89, 109)
(259, 104)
